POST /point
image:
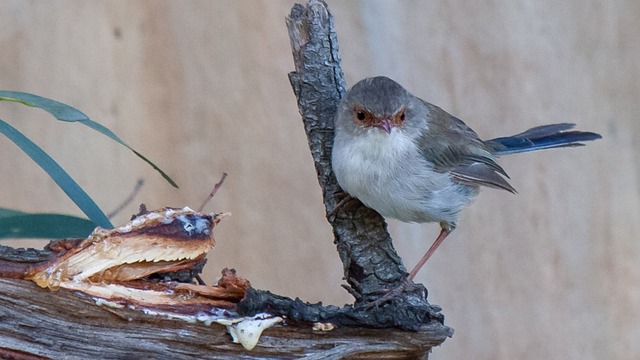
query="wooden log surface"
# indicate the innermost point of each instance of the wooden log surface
(63, 324)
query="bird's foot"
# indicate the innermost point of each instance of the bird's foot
(389, 294)
(345, 201)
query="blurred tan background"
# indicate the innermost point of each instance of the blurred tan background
(201, 88)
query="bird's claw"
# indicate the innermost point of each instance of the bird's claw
(345, 201)
(390, 294)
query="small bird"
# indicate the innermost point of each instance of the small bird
(412, 161)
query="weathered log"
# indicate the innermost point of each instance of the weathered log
(35, 322)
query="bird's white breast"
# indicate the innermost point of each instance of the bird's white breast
(388, 173)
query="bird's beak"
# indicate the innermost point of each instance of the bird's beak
(386, 125)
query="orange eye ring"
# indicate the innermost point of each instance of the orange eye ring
(400, 117)
(363, 116)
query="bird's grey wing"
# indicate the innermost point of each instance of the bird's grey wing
(451, 146)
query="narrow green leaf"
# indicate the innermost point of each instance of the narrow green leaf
(4, 212)
(61, 111)
(64, 181)
(44, 226)
(65, 112)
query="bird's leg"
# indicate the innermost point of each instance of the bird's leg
(446, 230)
(408, 282)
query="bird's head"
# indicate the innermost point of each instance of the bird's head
(377, 103)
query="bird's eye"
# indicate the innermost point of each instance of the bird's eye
(361, 115)
(399, 117)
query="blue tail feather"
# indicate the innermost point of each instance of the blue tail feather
(541, 137)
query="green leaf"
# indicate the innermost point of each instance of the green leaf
(4, 212)
(65, 112)
(64, 181)
(43, 226)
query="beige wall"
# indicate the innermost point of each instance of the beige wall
(201, 88)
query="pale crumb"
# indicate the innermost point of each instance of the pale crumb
(107, 303)
(323, 326)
